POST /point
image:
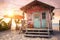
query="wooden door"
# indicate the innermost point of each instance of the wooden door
(36, 19)
(43, 20)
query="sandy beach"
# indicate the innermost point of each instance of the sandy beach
(14, 35)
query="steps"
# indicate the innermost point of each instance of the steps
(32, 32)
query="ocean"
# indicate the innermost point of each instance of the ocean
(55, 24)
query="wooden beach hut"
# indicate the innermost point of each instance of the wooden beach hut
(39, 19)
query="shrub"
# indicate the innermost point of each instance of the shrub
(3, 26)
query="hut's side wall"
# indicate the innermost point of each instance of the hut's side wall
(49, 21)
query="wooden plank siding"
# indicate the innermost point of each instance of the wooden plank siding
(37, 6)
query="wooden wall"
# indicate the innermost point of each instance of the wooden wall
(40, 9)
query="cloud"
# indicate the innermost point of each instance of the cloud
(1, 1)
(4, 4)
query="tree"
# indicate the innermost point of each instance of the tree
(17, 20)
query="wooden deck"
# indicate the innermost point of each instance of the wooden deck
(38, 32)
(38, 29)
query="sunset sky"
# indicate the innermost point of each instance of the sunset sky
(14, 5)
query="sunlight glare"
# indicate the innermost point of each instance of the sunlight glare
(6, 20)
(9, 10)
(13, 26)
(10, 13)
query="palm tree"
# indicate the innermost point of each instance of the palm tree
(10, 22)
(0, 23)
(17, 19)
(3, 25)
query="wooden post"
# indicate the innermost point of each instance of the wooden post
(59, 25)
(23, 20)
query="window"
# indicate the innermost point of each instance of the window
(36, 15)
(43, 19)
(43, 15)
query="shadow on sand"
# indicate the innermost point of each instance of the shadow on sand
(56, 33)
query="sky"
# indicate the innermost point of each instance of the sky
(15, 5)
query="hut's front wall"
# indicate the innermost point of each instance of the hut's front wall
(43, 21)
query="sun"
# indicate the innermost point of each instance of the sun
(10, 13)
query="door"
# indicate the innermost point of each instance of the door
(43, 23)
(36, 20)
(44, 20)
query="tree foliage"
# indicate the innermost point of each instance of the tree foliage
(3, 25)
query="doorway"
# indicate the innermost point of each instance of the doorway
(36, 19)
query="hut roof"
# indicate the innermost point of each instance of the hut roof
(37, 3)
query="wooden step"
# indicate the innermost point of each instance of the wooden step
(37, 29)
(33, 32)
(36, 32)
(30, 35)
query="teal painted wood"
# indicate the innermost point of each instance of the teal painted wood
(36, 19)
(36, 23)
(43, 23)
